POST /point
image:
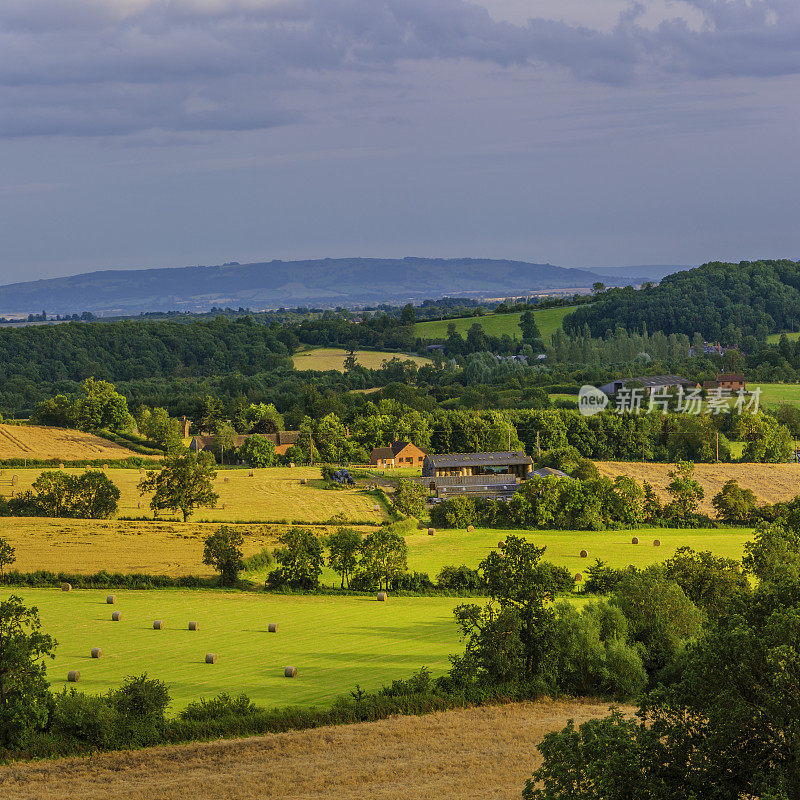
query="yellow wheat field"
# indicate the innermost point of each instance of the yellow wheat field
(479, 753)
(771, 483)
(273, 494)
(42, 443)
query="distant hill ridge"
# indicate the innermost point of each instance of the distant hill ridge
(327, 282)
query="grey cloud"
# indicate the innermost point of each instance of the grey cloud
(114, 67)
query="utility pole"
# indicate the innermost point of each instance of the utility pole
(538, 447)
(717, 445)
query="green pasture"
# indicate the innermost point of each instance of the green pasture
(792, 336)
(773, 394)
(454, 547)
(335, 642)
(548, 320)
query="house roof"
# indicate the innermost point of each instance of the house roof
(730, 376)
(382, 452)
(550, 472)
(496, 459)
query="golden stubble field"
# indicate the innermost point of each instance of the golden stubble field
(273, 494)
(482, 753)
(771, 483)
(44, 443)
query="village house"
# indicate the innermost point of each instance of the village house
(282, 440)
(397, 454)
(727, 380)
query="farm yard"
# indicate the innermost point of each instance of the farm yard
(321, 359)
(481, 753)
(273, 494)
(771, 483)
(42, 443)
(548, 320)
(335, 642)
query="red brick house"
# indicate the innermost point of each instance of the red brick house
(397, 454)
(727, 380)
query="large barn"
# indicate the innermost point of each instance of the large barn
(464, 464)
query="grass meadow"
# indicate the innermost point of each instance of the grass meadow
(335, 642)
(548, 320)
(773, 394)
(321, 359)
(272, 494)
(430, 553)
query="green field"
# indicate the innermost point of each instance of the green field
(430, 553)
(548, 320)
(335, 642)
(792, 336)
(322, 359)
(773, 394)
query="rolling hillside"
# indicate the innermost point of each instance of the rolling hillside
(328, 282)
(41, 443)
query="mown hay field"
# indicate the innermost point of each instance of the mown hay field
(773, 394)
(272, 494)
(548, 320)
(335, 642)
(482, 753)
(328, 358)
(430, 553)
(771, 483)
(42, 443)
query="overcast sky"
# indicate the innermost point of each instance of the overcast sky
(579, 132)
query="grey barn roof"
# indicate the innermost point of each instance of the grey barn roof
(455, 460)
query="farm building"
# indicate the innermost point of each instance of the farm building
(650, 384)
(727, 380)
(397, 454)
(465, 464)
(493, 487)
(549, 472)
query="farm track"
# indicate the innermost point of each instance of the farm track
(480, 753)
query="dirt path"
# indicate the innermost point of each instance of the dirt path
(477, 753)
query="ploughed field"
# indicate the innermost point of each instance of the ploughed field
(42, 443)
(771, 483)
(272, 495)
(335, 642)
(482, 753)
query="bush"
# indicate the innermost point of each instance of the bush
(89, 719)
(602, 579)
(141, 706)
(223, 705)
(460, 579)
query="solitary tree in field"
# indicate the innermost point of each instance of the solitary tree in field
(7, 557)
(183, 484)
(223, 551)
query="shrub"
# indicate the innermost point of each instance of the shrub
(459, 579)
(141, 706)
(223, 705)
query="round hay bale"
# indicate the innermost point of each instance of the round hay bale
(303, 481)
(272, 627)
(105, 466)
(116, 616)
(73, 676)
(376, 507)
(211, 658)
(97, 652)
(111, 599)
(470, 528)
(635, 540)
(61, 466)
(250, 474)
(66, 587)
(226, 479)
(501, 545)
(158, 625)
(578, 577)
(584, 553)
(194, 626)
(382, 597)
(431, 531)
(290, 672)
(656, 542)
(291, 464)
